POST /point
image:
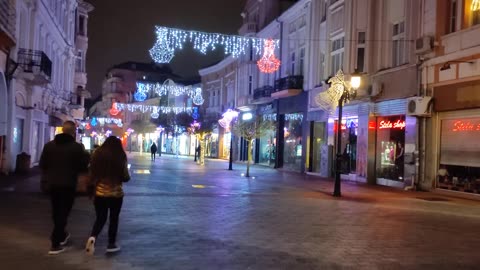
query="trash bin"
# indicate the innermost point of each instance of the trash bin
(23, 163)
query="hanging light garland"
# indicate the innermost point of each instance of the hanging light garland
(475, 5)
(168, 87)
(169, 39)
(154, 110)
(107, 120)
(268, 63)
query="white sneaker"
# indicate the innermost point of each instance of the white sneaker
(90, 246)
(111, 248)
(65, 241)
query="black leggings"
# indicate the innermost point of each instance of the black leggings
(102, 205)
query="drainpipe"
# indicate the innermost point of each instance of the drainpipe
(280, 120)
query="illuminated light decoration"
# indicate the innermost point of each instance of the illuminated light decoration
(198, 99)
(114, 111)
(106, 120)
(227, 118)
(155, 115)
(288, 117)
(108, 133)
(168, 87)
(161, 52)
(195, 126)
(88, 126)
(93, 122)
(475, 6)
(399, 124)
(140, 96)
(195, 113)
(151, 109)
(268, 63)
(203, 42)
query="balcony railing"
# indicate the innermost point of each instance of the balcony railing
(290, 82)
(7, 17)
(263, 92)
(35, 62)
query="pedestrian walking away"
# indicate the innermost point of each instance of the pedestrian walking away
(61, 161)
(108, 172)
(153, 150)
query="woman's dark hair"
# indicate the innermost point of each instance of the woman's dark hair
(109, 161)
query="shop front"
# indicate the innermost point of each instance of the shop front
(459, 152)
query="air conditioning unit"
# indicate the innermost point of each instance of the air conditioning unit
(423, 45)
(375, 90)
(419, 106)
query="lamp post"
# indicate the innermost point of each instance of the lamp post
(348, 91)
(226, 122)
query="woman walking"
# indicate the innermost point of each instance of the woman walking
(108, 169)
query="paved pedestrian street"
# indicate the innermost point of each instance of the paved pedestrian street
(179, 215)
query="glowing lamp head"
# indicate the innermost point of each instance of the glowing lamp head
(356, 80)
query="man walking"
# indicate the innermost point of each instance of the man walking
(61, 161)
(153, 150)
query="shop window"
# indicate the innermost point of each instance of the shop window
(349, 144)
(390, 147)
(459, 155)
(292, 152)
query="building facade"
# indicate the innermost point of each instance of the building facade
(42, 91)
(451, 76)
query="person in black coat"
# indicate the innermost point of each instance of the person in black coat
(153, 150)
(62, 160)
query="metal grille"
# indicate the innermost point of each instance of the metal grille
(390, 107)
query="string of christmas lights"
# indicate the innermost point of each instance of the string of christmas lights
(288, 117)
(168, 87)
(268, 63)
(169, 39)
(153, 110)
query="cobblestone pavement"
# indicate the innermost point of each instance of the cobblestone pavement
(184, 216)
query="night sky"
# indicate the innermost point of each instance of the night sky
(124, 30)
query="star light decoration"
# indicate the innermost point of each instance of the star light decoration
(170, 39)
(268, 63)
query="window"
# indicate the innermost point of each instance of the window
(361, 52)
(292, 64)
(399, 44)
(79, 63)
(81, 26)
(302, 61)
(475, 8)
(452, 16)
(324, 12)
(337, 55)
(250, 84)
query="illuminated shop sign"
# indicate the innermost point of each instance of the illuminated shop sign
(386, 124)
(462, 125)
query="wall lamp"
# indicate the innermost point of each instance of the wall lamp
(446, 65)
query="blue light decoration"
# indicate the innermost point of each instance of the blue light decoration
(195, 113)
(93, 122)
(140, 96)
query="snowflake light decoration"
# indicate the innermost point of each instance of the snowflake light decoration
(197, 98)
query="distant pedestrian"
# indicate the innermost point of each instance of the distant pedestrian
(61, 162)
(153, 150)
(108, 172)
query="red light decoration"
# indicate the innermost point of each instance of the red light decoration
(268, 63)
(399, 124)
(114, 111)
(88, 126)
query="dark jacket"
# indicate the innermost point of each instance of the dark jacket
(62, 160)
(153, 148)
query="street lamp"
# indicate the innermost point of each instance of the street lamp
(226, 122)
(347, 91)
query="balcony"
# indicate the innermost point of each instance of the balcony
(247, 29)
(7, 23)
(37, 67)
(288, 87)
(263, 94)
